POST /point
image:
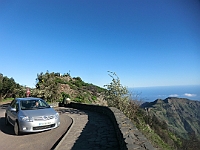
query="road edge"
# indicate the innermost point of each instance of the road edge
(63, 137)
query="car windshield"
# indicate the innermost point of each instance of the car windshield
(33, 104)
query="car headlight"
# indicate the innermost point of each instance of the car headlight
(26, 118)
(56, 115)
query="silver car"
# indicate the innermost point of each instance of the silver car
(31, 115)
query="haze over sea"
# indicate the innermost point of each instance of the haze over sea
(149, 94)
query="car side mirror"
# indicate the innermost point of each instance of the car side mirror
(12, 109)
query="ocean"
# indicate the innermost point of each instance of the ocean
(149, 94)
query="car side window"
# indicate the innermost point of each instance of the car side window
(13, 104)
(17, 106)
(13, 101)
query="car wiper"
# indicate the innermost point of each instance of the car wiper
(32, 108)
(25, 109)
(28, 108)
(42, 107)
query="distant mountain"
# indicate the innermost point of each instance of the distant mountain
(181, 115)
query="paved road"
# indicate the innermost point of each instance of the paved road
(40, 141)
(89, 131)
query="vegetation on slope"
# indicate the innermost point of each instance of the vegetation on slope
(155, 129)
(181, 116)
(9, 88)
(118, 96)
(56, 87)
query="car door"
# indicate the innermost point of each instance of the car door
(12, 112)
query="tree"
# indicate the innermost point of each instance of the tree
(118, 96)
(8, 87)
(47, 86)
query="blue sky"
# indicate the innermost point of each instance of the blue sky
(146, 42)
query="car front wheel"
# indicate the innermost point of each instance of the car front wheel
(16, 128)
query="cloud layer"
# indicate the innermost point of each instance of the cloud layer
(190, 95)
(173, 95)
(186, 94)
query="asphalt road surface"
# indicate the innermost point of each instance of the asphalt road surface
(31, 141)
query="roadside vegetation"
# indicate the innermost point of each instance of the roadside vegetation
(53, 87)
(9, 88)
(155, 130)
(5, 101)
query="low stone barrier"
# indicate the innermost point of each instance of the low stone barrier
(128, 135)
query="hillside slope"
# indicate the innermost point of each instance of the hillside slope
(56, 87)
(181, 115)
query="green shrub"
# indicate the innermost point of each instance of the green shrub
(65, 95)
(78, 100)
(94, 98)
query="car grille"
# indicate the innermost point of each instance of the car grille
(43, 127)
(41, 118)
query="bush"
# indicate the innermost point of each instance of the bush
(118, 96)
(78, 100)
(65, 95)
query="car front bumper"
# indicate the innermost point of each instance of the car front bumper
(37, 126)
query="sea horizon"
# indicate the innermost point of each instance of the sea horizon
(149, 94)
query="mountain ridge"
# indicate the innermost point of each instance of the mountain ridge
(181, 114)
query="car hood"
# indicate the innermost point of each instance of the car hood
(38, 112)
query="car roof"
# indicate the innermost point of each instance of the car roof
(27, 98)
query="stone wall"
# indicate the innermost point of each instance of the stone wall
(128, 135)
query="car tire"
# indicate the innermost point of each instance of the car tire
(6, 121)
(16, 128)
